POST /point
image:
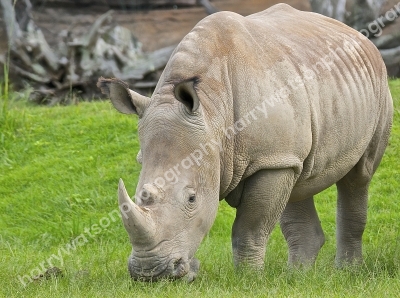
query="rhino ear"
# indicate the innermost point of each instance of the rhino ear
(185, 92)
(124, 100)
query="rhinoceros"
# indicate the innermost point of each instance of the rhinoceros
(264, 111)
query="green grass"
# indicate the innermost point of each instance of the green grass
(59, 169)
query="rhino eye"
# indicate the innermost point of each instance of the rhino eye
(192, 198)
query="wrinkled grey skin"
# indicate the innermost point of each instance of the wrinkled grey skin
(328, 121)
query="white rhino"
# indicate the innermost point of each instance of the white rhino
(263, 111)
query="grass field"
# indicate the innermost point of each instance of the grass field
(59, 169)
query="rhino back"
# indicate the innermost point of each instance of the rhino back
(348, 93)
(319, 87)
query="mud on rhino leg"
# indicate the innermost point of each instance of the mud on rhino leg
(303, 232)
(262, 201)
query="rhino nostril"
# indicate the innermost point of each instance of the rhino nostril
(177, 263)
(148, 194)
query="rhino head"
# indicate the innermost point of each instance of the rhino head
(177, 195)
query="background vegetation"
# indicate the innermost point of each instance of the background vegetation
(59, 169)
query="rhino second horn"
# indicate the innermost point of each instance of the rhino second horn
(137, 221)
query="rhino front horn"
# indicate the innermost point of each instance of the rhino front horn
(137, 221)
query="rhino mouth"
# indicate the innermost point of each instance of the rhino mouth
(139, 274)
(173, 270)
(180, 268)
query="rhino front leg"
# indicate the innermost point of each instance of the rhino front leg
(303, 232)
(259, 206)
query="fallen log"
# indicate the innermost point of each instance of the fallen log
(74, 66)
(106, 49)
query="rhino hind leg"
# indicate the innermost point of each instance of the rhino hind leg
(302, 230)
(351, 218)
(352, 203)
